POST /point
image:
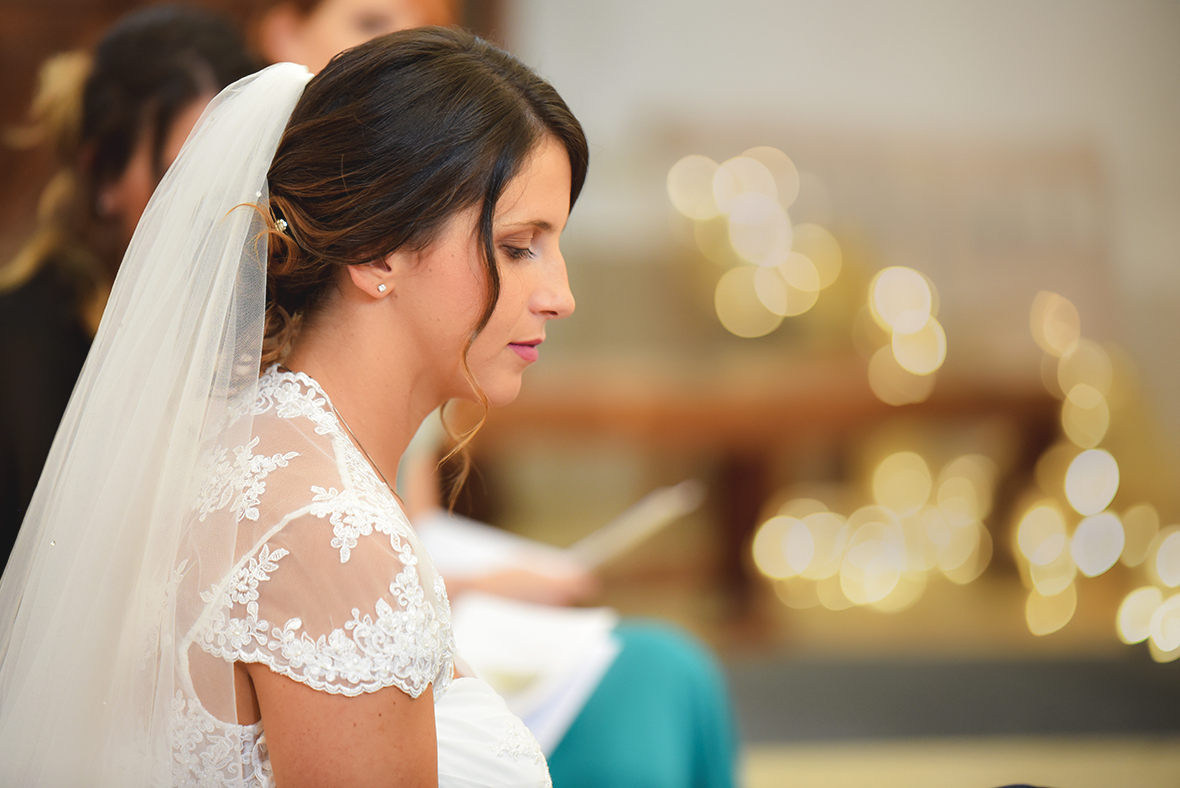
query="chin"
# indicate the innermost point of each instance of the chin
(498, 392)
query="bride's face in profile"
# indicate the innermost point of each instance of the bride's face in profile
(445, 288)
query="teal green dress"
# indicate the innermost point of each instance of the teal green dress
(660, 718)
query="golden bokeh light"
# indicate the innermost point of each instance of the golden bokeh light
(978, 558)
(1041, 536)
(1046, 614)
(712, 238)
(821, 248)
(831, 594)
(690, 187)
(1054, 322)
(800, 273)
(926, 535)
(739, 176)
(738, 307)
(1049, 375)
(902, 482)
(873, 563)
(1167, 558)
(781, 168)
(779, 296)
(894, 385)
(769, 547)
(1091, 481)
(1085, 416)
(1052, 466)
(797, 593)
(909, 589)
(1159, 655)
(759, 229)
(771, 289)
(1141, 523)
(1086, 363)
(879, 515)
(829, 534)
(923, 351)
(933, 542)
(1165, 624)
(960, 548)
(1097, 543)
(1051, 578)
(801, 507)
(900, 300)
(965, 488)
(1135, 612)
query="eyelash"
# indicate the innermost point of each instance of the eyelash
(518, 252)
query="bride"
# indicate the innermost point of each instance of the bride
(215, 584)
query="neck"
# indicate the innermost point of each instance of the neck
(376, 387)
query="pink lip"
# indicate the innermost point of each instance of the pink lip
(526, 350)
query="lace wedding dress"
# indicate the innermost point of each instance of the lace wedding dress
(330, 588)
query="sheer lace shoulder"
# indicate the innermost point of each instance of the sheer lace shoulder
(331, 588)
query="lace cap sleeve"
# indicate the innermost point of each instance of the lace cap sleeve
(333, 589)
(343, 627)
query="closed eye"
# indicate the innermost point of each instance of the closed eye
(518, 252)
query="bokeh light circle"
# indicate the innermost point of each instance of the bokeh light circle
(759, 229)
(742, 175)
(1165, 624)
(738, 306)
(1135, 612)
(1097, 543)
(902, 482)
(821, 248)
(900, 299)
(781, 168)
(1047, 614)
(1054, 322)
(894, 385)
(1091, 481)
(1167, 559)
(923, 351)
(690, 187)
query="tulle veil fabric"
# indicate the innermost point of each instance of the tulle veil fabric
(89, 613)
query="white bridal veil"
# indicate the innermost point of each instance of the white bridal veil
(88, 609)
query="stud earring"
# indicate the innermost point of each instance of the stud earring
(381, 288)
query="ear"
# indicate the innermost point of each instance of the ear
(375, 279)
(280, 34)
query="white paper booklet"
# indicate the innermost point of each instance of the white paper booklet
(544, 661)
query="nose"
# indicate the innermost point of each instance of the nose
(553, 297)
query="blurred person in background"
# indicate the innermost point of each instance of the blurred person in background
(116, 119)
(311, 32)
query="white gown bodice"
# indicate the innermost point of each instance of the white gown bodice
(330, 587)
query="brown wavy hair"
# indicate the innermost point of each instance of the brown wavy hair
(388, 143)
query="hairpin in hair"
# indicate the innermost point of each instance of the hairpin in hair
(281, 224)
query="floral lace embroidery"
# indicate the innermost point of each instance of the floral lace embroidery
(294, 395)
(411, 647)
(243, 481)
(518, 743)
(397, 647)
(351, 518)
(207, 753)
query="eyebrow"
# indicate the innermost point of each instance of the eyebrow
(539, 224)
